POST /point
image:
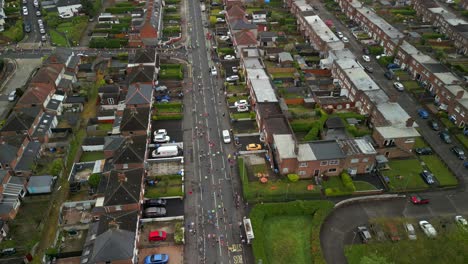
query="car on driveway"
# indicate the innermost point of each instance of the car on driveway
(160, 88)
(224, 38)
(428, 229)
(240, 102)
(399, 86)
(428, 177)
(232, 78)
(158, 138)
(157, 259)
(423, 113)
(152, 212)
(242, 108)
(364, 234)
(423, 151)
(340, 34)
(157, 235)
(409, 228)
(345, 39)
(254, 146)
(458, 152)
(156, 203)
(229, 57)
(25, 11)
(366, 58)
(368, 69)
(444, 135)
(417, 199)
(434, 125)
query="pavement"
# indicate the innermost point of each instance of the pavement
(211, 185)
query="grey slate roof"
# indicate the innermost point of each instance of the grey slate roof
(141, 74)
(133, 151)
(44, 125)
(21, 120)
(29, 156)
(240, 24)
(93, 141)
(75, 100)
(113, 142)
(135, 119)
(7, 153)
(139, 93)
(327, 150)
(40, 181)
(61, 3)
(121, 187)
(112, 245)
(144, 56)
(285, 56)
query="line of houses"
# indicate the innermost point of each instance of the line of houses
(446, 88)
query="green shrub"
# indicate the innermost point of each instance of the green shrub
(293, 177)
(100, 43)
(94, 179)
(375, 50)
(56, 168)
(347, 182)
(336, 192)
(168, 117)
(385, 60)
(301, 125)
(168, 105)
(178, 233)
(404, 12)
(120, 10)
(314, 132)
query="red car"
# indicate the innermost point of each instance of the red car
(157, 235)
(416, 199)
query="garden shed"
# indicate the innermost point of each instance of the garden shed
(40, 184)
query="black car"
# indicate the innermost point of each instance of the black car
(368, 69)
(444, 135)
(423, 151)
(434, 125)
(428, 177)
(459, 152)
(156, 202)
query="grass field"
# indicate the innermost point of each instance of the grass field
(364, 186)
(440, 171)
(287, 239)
(168, 185)
(92, 156)
(57, 38)
(404, 175)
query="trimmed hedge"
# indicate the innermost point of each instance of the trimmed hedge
(168, 105)
(319, 210)
(168, 117)
(120, 10)
(100, 43)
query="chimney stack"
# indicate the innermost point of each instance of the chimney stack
(460, 94)
(410, 122)
(121, 177)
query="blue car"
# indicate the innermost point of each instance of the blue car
(423, 113)
(157, 259)
(465, 164)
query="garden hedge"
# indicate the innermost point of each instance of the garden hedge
(316, 209)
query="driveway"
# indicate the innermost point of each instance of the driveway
(176, 253)
(173, 127)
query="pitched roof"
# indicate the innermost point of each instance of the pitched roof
(135, 119)
(48, 74)
(139, 93)
(113, 245)
(35, 95)
(133, 151)
(144, 56)
(110, 88)
(148, 31)
(285, 56)
(239, 24)
(29, 156)
(7, 153)
(141, 74)
(244, 37)
(113, 142)
(121, 187)
(21, 119)
(236, 12)
(62, 3)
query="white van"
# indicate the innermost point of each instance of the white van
(165, 151)
(226, 136)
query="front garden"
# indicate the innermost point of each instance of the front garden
(164, 186)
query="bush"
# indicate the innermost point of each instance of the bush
(94, 179)
(347, 182)
(293, 177)
(100, 43)
(168, 105)
(375, 50)
(314, 132)
(301, 125)
(120, 10)
(168, 117)
(316, 209)
(179, 233)
(385, 60)
(56, 167)
(404, 12)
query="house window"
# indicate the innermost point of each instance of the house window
(302, 173)
(409, 140)
(365, 160)
(334, 162)
(324, 163)
(285, 170)
(303, 164)
(354, 160)
(332, 170)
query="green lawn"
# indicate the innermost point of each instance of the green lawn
(411, 85)
(57, 38)
(92, 156)
(364, 186)
(105, 127)
(171, 71)
(440, 171)
(409, 171)
(449, 247)
(287, 239)
(420, 143)
(167, 185)
(464, 140)
(241, 115)
(301, 110)
(282, 75)
(233, 99)
(235, 89)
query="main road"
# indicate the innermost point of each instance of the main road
(213, 204)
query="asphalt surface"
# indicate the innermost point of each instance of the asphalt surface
(34, 36)
(211, 186)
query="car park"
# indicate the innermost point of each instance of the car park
(242, 108)
(12, 96)
(416, 199)
(156, 203)
(458, 152)
(157, 235)
(427, 228)
(423, 151)
(409, 228)
(25, 11)
(423, 113)
(345, 39)
(232, 78)
(434, 125)
(229, 57)
(364, 234)
(254, 146)
(428, 177)
(366, 58)
(157, 259)
(399, 86)
(240, 102)
(444, 135)
(153, 212)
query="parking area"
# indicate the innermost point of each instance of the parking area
(176, 253)
(174, 207)
(245, 140)
(227, 66)
(168, 227)
(173, 128)
(240, 127)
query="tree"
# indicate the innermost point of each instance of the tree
(94, 179)
(56, 167)
(293, 177)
